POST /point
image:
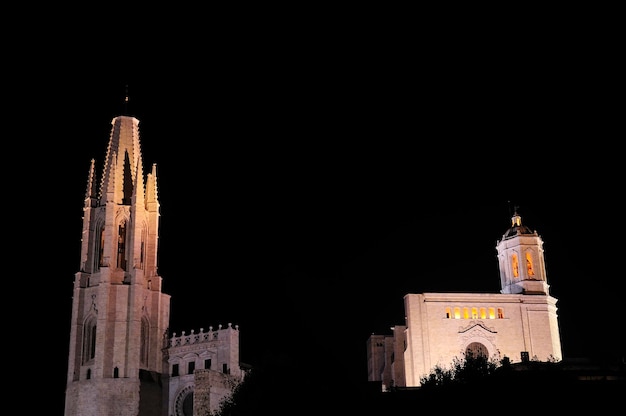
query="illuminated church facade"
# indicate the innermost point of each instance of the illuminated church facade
(122, 359)
(520, 322)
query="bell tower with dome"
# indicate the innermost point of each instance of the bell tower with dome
(520, 255)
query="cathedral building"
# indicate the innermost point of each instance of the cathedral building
(122, 359)
(520, 322)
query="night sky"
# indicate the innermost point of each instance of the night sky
(305, 191)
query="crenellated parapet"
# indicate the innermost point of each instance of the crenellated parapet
(202, 336)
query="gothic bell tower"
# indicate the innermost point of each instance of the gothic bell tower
(119, 314)
(521, 260)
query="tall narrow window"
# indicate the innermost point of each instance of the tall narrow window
(500, 313)
(466, 313)
(474, 313)
(145, 336)
(448, 313)
(207, 364)
(225, 369)
(121, 246)
(89, 340)
(492, 313)
(141, 254)
(116, 372)
(483, 313)
(175, 370)
(457, 313)
(98, 257)
(515, 265)
(190, 367)
(529, 264)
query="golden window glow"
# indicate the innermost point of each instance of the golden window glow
(529, 264)
(515, 265)
(474, 312)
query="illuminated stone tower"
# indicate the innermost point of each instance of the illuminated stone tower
(520, 255)
(119, 314)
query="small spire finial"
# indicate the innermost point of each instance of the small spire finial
(126, 101)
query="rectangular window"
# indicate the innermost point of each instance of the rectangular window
(190, 367)
(207, 364)
(175, 370)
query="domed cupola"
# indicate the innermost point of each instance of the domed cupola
(517, 228)
(521, 260)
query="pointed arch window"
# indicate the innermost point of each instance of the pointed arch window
(121, 246)
(515, 265)
(529, 264)
(89, 340)
(141, 254)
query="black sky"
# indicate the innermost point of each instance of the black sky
(305, 190)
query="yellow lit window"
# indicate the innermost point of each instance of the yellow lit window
(529, 264)
(492, 313)
(457, 313)
(515, 265)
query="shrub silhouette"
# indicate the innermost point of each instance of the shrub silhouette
(469, 369)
